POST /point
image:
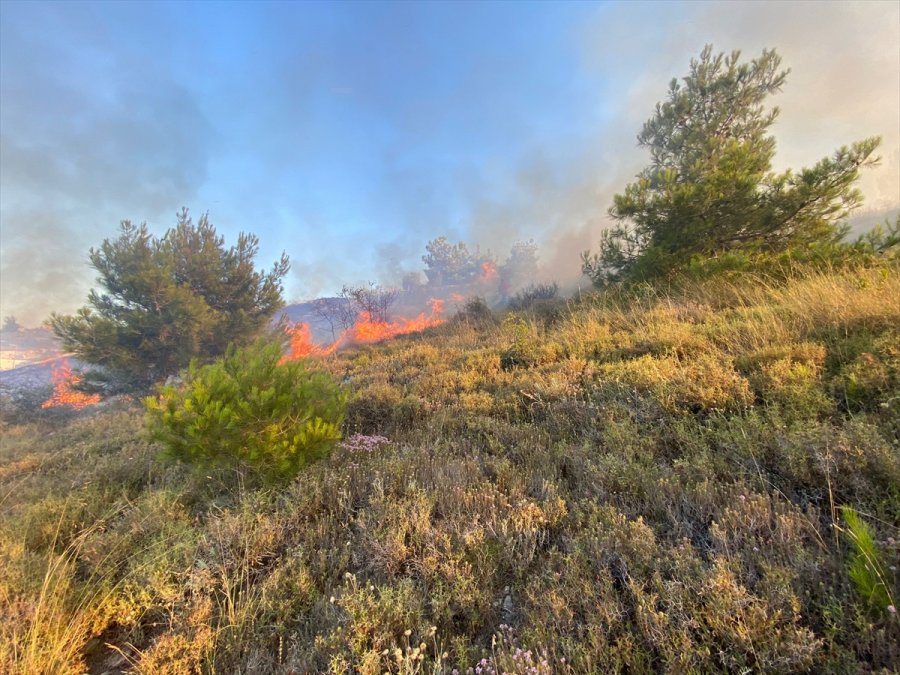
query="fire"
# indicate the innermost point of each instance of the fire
(64, 381)
(302, 344)
(368, 330)
(365, 330)
(488, 272)
(458, 298)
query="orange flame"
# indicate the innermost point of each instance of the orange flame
(457, 298)
(64, 381)
(488, 272)
(365, 330)
(368, 330)
(302, 344)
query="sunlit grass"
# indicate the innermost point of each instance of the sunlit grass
(621, 482)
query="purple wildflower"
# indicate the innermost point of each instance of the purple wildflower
(360, 443)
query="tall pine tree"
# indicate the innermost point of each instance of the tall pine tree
(710, 187)
(166, 301)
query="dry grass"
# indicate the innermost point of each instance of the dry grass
(642, 483)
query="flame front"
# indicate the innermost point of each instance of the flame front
(364, 331)
(64, 393)
(302, 345)
(368, 330)
(488, 272)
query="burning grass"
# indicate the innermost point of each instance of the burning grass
(647, 483)
(65, 392)
(365, 330)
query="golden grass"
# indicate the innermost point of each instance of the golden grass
(629, 483)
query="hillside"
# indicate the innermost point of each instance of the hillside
(26, 346)
(642, 482)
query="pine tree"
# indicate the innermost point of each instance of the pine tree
(521, 267)
(449, 264)
(710, 187)
(166, 301)
(249, 410)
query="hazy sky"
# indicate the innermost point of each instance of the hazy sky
(350, 134)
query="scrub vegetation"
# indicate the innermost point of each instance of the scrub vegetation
(700, 478)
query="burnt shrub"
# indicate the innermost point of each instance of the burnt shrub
(533, 294)
(475, 311)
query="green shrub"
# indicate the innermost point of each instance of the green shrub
(867, 568)
(789, 376)
(249, 409)
(703, 384)
(524, 347)
(475, 311)
(382, 408)
(867, 373)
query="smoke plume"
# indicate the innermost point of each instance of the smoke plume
(350, 138)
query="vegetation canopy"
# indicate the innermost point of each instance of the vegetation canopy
(166, 301)
(710, 188)
(449, 264)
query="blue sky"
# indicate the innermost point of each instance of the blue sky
(348, 134)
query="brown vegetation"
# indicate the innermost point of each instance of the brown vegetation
(648, 482)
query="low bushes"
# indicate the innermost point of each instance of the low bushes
(653, 484)
(534, 294)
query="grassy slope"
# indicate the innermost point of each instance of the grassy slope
(641, 485)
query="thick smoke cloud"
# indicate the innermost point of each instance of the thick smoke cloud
(844, 86)
(74, 162)
(261, 120)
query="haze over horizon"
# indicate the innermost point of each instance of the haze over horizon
(350, 134)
